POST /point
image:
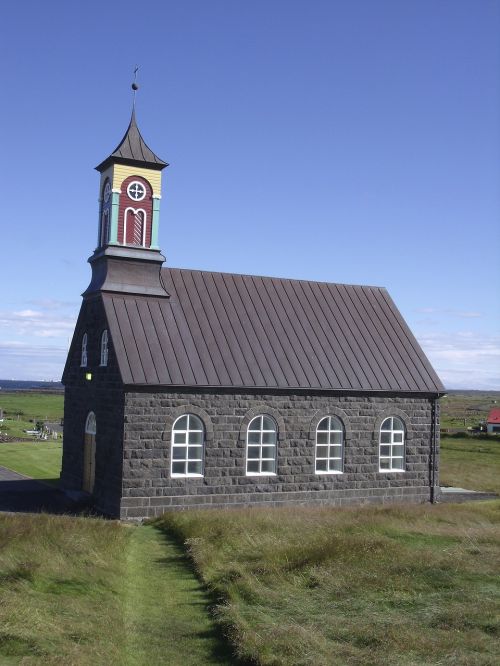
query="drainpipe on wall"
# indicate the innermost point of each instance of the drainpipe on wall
(433, 451)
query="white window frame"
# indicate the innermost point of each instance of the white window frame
(396, 437)
(258, 422)
(104, 348)
(125, 215)
(331, 433)
(184, 434)
(84, 354)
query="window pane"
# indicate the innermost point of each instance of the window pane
(268, 465)
(179, 453)
(335, 438)
(322, 451)
(253, 452)
(195, 452)
(252, 466)
(179, 438)
(397, 437)
(268, 437)
(255, 424)
(194, 467)
(335, 465)
(268, 451)
(254, 437)
(323, 424)
(322, 438)
(268, 423)
(335, 424)
(178, 468)
(181, 424)
(386, 425)
(385, 450)
(384, 463)
(195, 437)
(398, 450)
(385, 437)
(335, 451)
(321, 465)
(195, 423)
(397, 463)
(397, 424)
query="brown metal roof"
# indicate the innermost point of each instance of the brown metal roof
(132, 149)
(226, 330)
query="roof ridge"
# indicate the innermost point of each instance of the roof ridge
(274, 277)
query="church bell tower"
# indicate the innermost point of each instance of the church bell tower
(127, 257)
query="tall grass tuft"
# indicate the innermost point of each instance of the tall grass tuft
(386, 585)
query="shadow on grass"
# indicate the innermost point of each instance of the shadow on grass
(19, 494)
(222, 652)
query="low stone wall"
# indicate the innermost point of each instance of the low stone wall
(148, 488)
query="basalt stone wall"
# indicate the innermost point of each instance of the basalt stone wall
(149, 489)
(103, 394)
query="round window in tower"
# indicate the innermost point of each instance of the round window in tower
(136, 190)
(107, 192)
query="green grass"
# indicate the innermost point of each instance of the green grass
(300, 586)
(33, 405)
(467, 462)
(40, 460)
(77, 591)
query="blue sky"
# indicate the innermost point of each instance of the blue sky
(349, 141)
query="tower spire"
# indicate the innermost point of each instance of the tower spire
(135, 87)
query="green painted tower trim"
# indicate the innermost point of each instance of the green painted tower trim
(113, 225)
(155, 223)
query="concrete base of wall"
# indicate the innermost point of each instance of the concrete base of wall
(139, 508)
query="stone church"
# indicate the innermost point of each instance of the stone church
(187, 388)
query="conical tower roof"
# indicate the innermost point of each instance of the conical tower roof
(133, 150)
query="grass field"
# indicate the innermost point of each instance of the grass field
(76, 592)
(33, 405)
(466, 409)
(469, 462)
(40, 460)
(413, 585)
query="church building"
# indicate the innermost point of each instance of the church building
(188, 388)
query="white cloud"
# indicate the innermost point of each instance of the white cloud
(462, 314)
(37, 323)
(464, 359)
(19, 360)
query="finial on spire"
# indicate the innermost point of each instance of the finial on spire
(135, 86)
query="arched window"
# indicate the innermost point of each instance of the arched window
(392, 445)
(104, 347)
(88, 475)
(261, 446)
(188, 437)
(83, 360)
(134, 226)
(105, 227)
(330, 446)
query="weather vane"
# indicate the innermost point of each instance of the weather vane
(135, 86)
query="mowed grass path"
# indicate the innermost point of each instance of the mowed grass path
(76, 591)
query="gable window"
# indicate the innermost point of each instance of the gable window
(188, 436)
(104, 347)
(392, 445)
(330, 446)
(83, 358)
(261, 446)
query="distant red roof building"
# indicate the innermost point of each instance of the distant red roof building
(494, 415)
